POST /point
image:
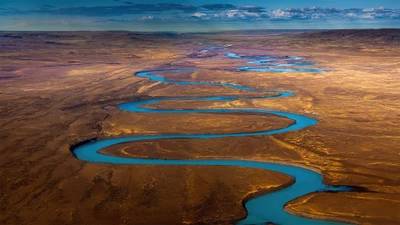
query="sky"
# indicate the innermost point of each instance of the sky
(196, 15)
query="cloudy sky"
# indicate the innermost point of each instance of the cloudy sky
(197, 15)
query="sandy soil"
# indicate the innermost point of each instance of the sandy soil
(54, 86)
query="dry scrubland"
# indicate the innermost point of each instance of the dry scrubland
(58, 89)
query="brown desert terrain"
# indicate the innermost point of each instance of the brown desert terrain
(58, 89)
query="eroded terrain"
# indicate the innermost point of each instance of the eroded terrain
(58, 89)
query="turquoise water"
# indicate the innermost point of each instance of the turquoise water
(271, 69)
(267, 63)
(271, 63)
(264, 57)
(263, 209)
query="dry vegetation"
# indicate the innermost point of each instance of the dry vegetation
(57, 89)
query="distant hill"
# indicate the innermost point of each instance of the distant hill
(377, 35)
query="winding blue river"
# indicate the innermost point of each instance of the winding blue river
(263, 209)
(272, 63)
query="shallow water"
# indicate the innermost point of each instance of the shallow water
(266, 208)
(268, 63)
(271, 63)
(269, 57)
(271, 69)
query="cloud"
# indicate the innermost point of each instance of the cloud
(113, 21)
(199, 15)
(104, 11)
(280, 14)
(332, 13)
(253, 9)
(130, 7)
(311, 13)
(219, 7)
(21, 24)
(173, 11)
(147, 18)
(228, 7)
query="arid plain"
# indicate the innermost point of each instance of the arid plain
(58, 89)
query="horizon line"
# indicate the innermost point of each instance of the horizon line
(202, 32)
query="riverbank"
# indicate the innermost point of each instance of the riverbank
(355, 142)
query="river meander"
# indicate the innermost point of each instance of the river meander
(262, 209)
